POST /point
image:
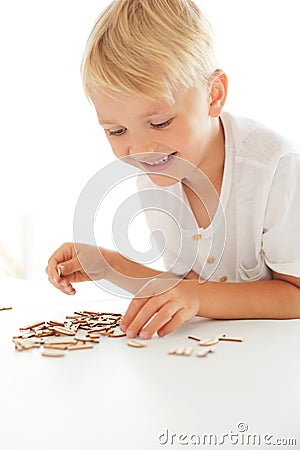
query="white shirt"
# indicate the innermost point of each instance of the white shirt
(260, 196)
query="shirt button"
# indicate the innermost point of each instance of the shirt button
(223, 279)
(196, 237)
(211, 260)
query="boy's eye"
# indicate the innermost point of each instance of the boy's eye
(121, 131)
(162, 124)
(117, 132)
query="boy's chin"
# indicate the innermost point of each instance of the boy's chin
(162, 180)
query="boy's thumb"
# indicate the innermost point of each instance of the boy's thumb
(69, 267)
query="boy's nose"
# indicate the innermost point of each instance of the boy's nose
(142, 148)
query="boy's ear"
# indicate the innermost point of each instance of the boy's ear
(218, 93)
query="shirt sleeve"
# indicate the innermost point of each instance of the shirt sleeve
(281, 234)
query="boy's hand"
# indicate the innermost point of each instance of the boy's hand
(167, 310)
(74, 263)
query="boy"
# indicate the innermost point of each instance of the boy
(150, 72)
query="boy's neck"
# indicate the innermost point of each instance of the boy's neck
(212, 164)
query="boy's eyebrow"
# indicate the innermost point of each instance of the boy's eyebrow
(155, 112)
(147, 114)
(106, 122)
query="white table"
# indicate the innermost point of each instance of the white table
(118, 397)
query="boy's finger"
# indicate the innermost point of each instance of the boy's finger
(68, 267)
(142, 296)
(63, 285)
(134, 307)
(178, 319)
(149, 309)
(51, 269)
(52, 273)
(163, 316)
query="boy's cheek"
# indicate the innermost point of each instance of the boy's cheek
(118, 152)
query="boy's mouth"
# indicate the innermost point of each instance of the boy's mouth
(158, 164)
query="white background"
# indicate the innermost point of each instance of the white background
(50, 141)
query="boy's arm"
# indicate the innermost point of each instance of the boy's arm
(266, 299)
(137, 274)
(278, 298)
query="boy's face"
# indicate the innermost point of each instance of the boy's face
(144, 131)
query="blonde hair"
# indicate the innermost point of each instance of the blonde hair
(149, 48)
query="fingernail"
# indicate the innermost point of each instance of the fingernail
(160, 333)
(144, 335)
(130, 334)
(64, 284)
(123, 327)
